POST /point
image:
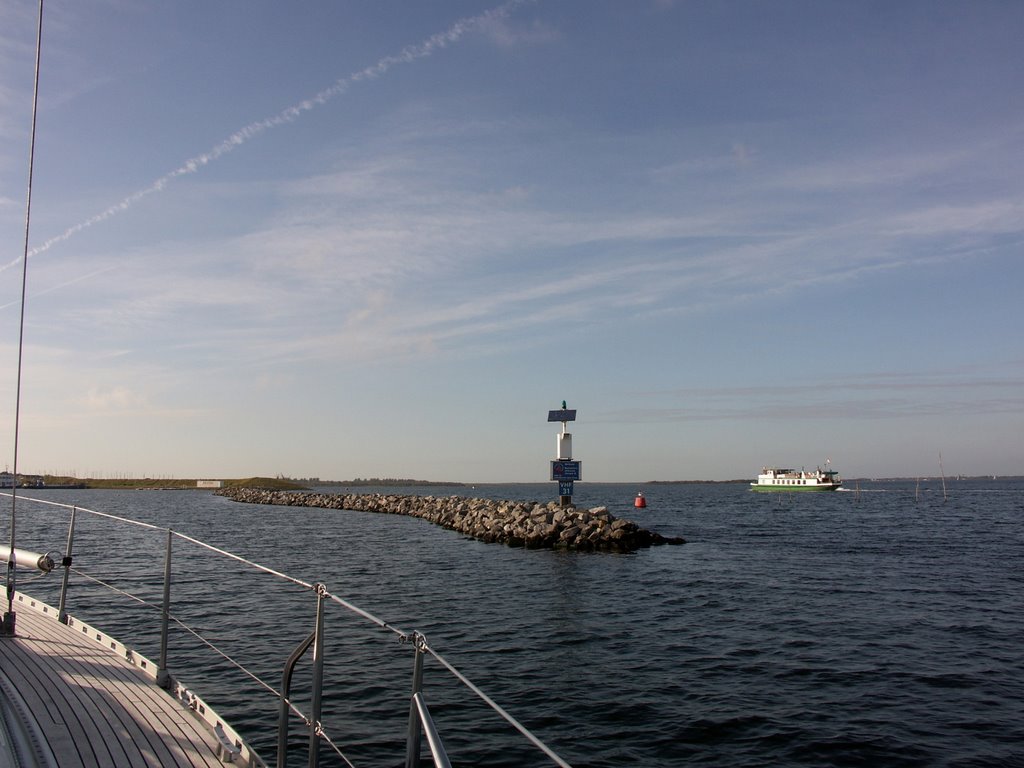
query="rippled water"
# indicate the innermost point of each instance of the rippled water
(865, 627)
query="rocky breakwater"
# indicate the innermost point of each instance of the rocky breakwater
(515, 523)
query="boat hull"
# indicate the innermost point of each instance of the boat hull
(795, 488)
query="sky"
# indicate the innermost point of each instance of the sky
(383, 239)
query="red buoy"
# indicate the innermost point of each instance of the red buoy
(640, 502)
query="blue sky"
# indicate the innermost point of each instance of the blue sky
(355, 239)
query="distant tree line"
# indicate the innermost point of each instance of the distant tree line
(387, 481)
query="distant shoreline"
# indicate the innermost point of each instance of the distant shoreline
(64, 483)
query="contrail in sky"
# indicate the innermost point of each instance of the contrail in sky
(408, 55)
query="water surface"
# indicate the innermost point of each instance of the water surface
(876, 626)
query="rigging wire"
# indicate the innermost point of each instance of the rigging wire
(8, 621)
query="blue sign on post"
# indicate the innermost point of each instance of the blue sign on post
(563, 415)
(566, 470)
(565, 487)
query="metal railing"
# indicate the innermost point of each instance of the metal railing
(420, 721)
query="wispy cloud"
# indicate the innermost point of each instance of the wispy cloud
(880, 396)
(407, 55)
(344, 284)
(988, 217)
(504, 31)
(115, 398)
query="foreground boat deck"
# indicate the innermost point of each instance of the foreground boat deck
(87, 706)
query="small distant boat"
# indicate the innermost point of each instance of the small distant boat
(776, 479)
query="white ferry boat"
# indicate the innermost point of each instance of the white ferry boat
(775, 479)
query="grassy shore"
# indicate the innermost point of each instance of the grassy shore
(148, 483)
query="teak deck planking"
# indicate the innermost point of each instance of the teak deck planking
(93, 707)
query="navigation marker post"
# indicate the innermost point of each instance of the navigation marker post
(563, 468)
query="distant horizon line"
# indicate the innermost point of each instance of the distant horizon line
(393, 481)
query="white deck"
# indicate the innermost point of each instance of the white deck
(88, 707)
